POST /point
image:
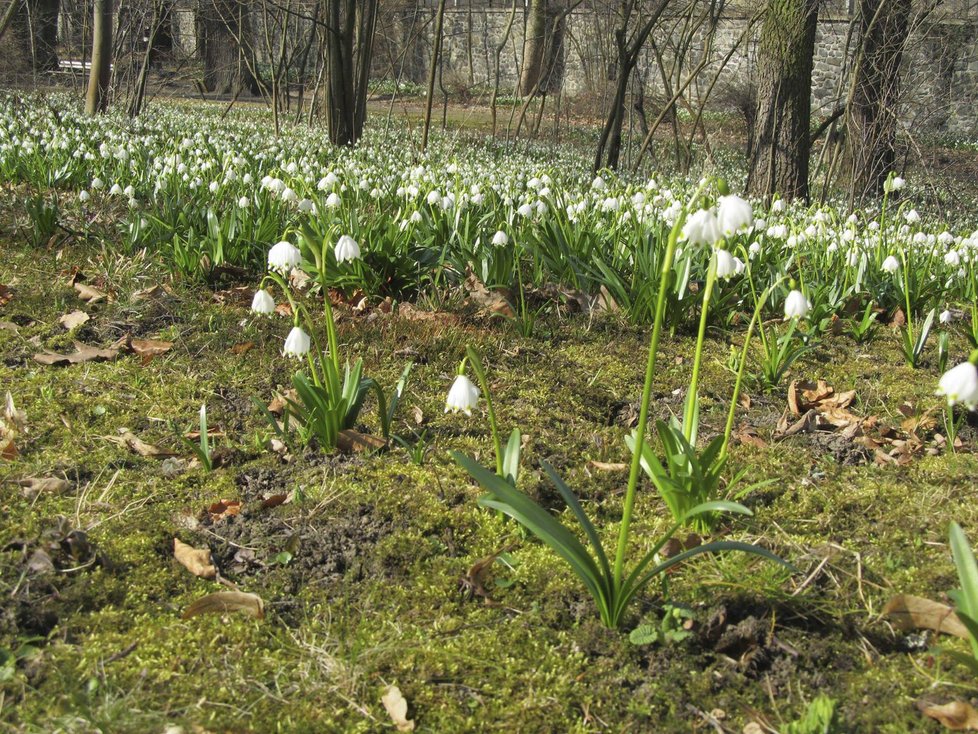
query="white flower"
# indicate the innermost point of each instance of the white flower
(434, 198)
(796, 306)
(960, 385)
(894, 184)
(346, 249)
(891, 264)
(463, 396)
(333, 201)
(598, 184)
(946, 317)
(726, 267)
(262, 303)
(306, 206)
(702, 228)
(734, 214)
(283, 257)
(116, 190)
(500, 239)
(83, 196)
(296, 343)
(289, 195)
(97, 183)
(525, 211)
(244, 202)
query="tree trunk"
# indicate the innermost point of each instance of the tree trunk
(223, 27)
(35, 33)
(871, 125)
(534, 47)
(351, 26)
(432, 74)
(97, 98)
(781, 145)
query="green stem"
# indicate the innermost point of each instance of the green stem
(473, 356)
(691, 397)
(660, 307)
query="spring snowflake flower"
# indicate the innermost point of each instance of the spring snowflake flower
(463, 396)
(891, 264)
(734, 214)
(333, 201)
(796, 306)
(894, 184)
(726, 265)
(500, 239)
(297, 343)
(960, 385)
(262, 303)
(283, 257)
(244, 202)
(702, 228)
(346, 249)
(83, 196)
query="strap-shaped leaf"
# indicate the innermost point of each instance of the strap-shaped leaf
(508, 500)
(575, 505)
(723, 545)
(511, 456)
(964, 562)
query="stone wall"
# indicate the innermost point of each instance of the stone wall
(940, 82)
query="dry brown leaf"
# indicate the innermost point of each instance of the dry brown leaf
(242, 348)
(409, 313)
(33, 486)
(956, 716)
(397, 707)
(73, 320)
(489, 302)
(224, 508)
(227, 601)
(137, 445)
(146, 294)
(149, 348)
(608, 466)
(354, 442)
(914, 612)
(88, 293)
(418, 415)
(195, 560)
(82, 353)
(274, 501)
(6, 295)
(749, 436)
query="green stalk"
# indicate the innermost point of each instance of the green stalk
(473, 356)
(643, 417)
(691, 396)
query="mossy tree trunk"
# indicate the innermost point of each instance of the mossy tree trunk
(780, 155)
(100, 73)
(872, 120)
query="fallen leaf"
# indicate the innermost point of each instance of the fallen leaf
(284, 309)
(956, 716)
(749, 436)
(82, 353)
(913, 612)
(606, 466)
(195, 560)
(354, 442)
(88, 293)
(488, 301)
(73, 320)
(137, 445)
(33, 486)
(274, 501)
(744, 401)
(418, 415)
(397, 706)
(409, 313)
(9, 326)
(242, 348)
(6, 295)
(146, 294)
(227, 601)
(149, 348)
(224, 508)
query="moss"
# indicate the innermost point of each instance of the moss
(532, 656)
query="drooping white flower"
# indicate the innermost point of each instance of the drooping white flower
(894, 184)
(283, 257)
(946, 317)
(297, 343)
(463, 396)
(726, 267)
(333, 201)
(500, 239)
(262, 303)
(346, 249)
(83, 196)
(960, 385)
(244, 202)
(796, 306)
(734, 214)
(702, 228)
(891, 264)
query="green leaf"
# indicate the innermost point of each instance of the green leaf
(644, 634)
(511, 456)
